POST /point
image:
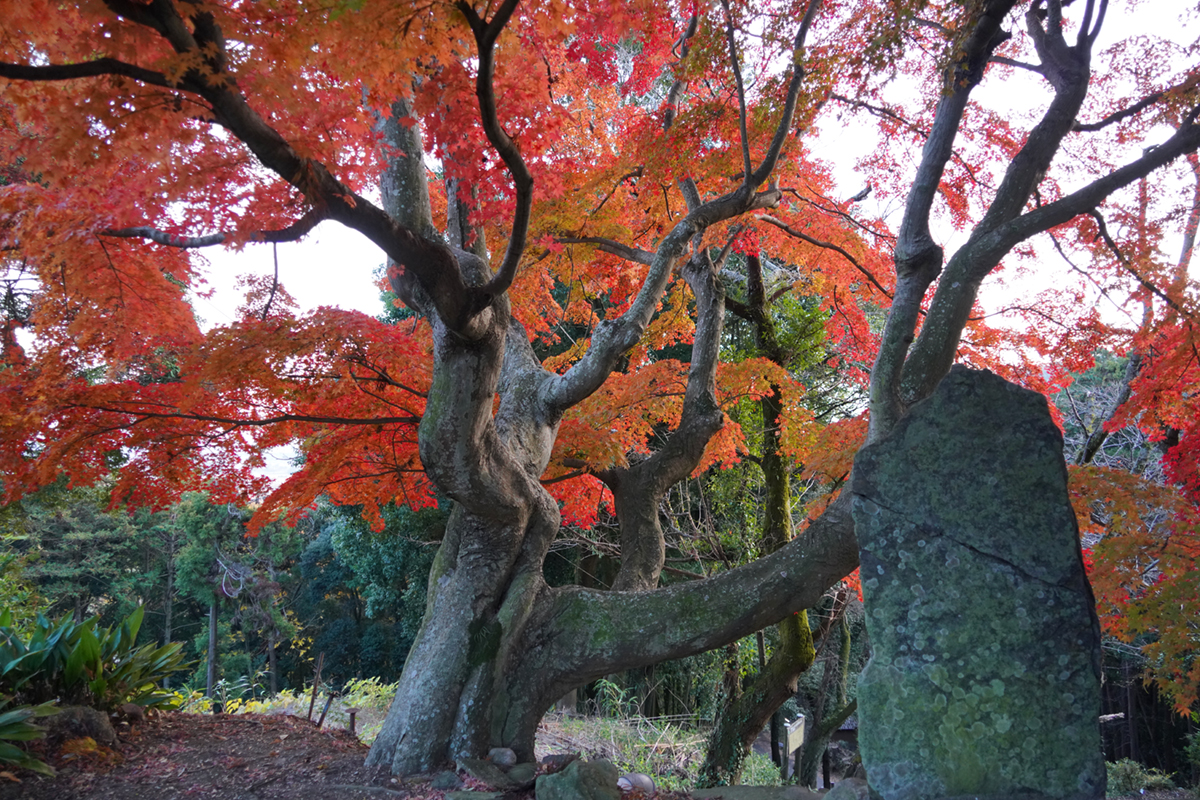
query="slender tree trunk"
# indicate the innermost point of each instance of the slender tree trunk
(744, 716)
(169, 602)
(169, 594)
(211, 672)
(740, 722)
(272, 663)
(824, 724)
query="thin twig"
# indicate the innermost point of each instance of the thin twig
(828, 246)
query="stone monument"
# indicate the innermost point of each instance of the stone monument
(984, 678)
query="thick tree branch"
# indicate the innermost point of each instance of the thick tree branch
(918, 258)
(612, 247)
(486, 35)
(1185, 140)
(434, 265)
(235, 422)
(86, 69)
(297, 230)
(607, 632)
(638, 489)
(934, 353)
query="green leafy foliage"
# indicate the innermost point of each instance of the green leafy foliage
(21, 598)
(358, 594)
(79, 663)
(1191, 752)
(16, 725)
(1129, 777)
(78, 555)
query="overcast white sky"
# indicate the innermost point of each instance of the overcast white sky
(333, 266)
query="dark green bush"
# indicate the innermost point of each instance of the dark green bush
(16, 726)
(78, 663)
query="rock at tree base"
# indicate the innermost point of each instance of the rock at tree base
(79, 722)
(984, 678)
(849, 789)
(523, 775)
(581, 780)
(488, 773)
(755, 793)
(502, 757)
(446, 781)
(636, 781)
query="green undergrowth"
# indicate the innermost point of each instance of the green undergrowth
(1128, 777)
(369, 696)
(669, 751)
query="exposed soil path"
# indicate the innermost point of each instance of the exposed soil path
(227, 757)
(243, 757)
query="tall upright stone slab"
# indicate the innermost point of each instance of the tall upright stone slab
(984, 678)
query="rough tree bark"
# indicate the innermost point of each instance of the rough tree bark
(498, 646)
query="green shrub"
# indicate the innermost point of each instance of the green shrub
(20, 595)
(1129, 777)
(1192, 752)
(368, 693)
(760, 770)
(16, 726)
(77, 663)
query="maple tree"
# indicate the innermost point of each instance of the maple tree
(1133, 478)
(613, 156)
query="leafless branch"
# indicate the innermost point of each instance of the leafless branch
(612, 247)
(86, 69)
(1146, 284)
(637, 173)
(741, 89)
(1133, 109)
(912, 127)
(274, 283)
(680, 50)
(1076, 268)
(1012, 62)
(234, 422)
(297, 230)
(778, 223)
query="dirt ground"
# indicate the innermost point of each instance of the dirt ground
(230, 757)
(226, 757)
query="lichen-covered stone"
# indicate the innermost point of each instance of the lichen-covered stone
(849, 789)
(446, 781)
(581, 780)
(78, 722)
(486, 772)
(984, 678)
